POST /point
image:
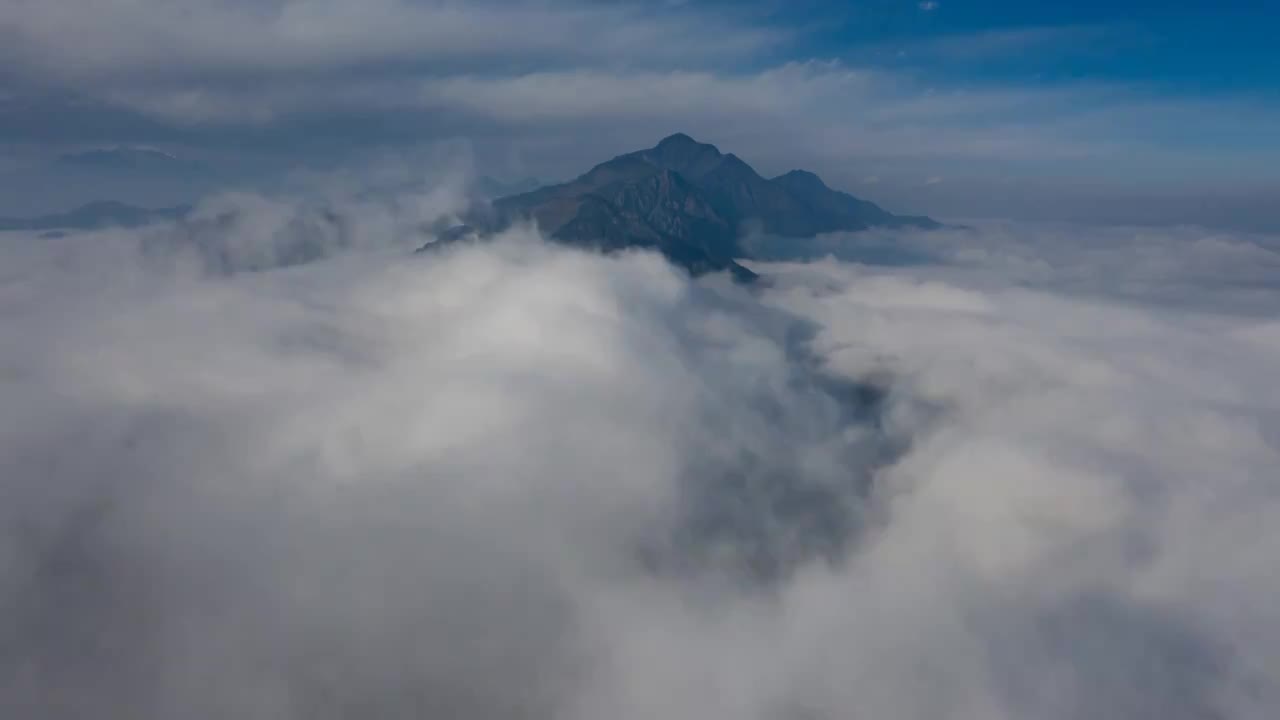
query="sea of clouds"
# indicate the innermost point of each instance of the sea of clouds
(268, 463)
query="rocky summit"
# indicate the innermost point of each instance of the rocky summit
(690, 202)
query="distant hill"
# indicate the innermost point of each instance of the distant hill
(96, 215)
(690, 202)
(488, 187)
(136, 175)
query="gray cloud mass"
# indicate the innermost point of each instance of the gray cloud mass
(971, 480)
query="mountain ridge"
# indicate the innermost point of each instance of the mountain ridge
(691, 202)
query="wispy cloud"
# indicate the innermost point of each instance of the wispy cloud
(986, 45)
(131, 42)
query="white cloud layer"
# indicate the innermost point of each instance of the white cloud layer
(516, 481)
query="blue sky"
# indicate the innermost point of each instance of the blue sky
(1105, 110)
(1175, 47)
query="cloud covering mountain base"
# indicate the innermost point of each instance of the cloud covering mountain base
(519, 481)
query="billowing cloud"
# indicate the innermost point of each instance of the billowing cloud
(518, 481)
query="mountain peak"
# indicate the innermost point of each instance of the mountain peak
(683, 154)
(678, 140)
(802, 175)
(690, 202)
(802, 181)
(681, 144)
